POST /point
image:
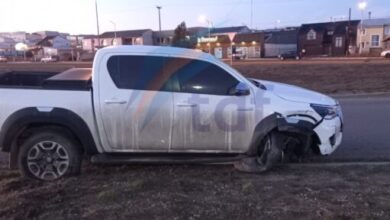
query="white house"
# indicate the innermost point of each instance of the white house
(373, 38)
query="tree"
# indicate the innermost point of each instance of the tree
(181, 39)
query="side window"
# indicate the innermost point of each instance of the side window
(139, 72)
(200, 77)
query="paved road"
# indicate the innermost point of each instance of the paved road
(367, 129)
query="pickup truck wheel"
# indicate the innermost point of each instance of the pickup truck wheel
(49, 156)
(270, 153)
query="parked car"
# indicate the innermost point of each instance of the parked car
(159, 105)
(3, 59)
(238, 54)
(386, 54)
(290, 55)
(50, 59)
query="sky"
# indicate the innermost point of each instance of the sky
(78, 16)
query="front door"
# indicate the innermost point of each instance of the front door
(206, 117)
(136, 108)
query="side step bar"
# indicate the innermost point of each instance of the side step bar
(164, 159)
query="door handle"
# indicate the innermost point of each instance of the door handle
(186, 105)
(114, 101)
(245, 109)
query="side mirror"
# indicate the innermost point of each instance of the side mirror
(241, 89)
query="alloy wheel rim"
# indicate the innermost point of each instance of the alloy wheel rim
(48, 160)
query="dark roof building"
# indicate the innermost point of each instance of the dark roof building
(282, 36)
(328, 39)
(249, 37)
(280, 41)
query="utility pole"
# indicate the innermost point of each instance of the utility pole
(159, 17)
(97, 23)
(251, 14)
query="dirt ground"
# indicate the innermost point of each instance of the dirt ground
(201, 192)
(217, 192)
(325, 77)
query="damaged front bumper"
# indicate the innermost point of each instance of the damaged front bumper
(330, 134)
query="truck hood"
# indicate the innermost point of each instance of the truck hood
(297, 94)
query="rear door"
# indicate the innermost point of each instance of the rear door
(206, 117)
(136, 107)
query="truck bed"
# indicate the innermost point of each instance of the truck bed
(72, 79)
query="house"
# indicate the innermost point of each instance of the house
(89, 43)
(53, 46)
(250, 45)
(56, 42)
(19, 36)
(386, 40)
(130, 37)
(328, 39)
(218, 45)
(7, 45)
(220, 41)
(163, 38)
(280, 41)
(374, 37)
(50, 34)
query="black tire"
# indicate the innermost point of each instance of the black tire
(269, 154)
(387, 55)
(49, 154)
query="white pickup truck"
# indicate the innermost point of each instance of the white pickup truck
(142, 104)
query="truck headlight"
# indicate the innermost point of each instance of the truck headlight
(326, 111)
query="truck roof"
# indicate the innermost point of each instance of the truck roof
(157, 50)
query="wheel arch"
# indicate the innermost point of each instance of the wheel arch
(25, 119)
(276, 122)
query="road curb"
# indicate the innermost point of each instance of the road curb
(375, 94)
(338, 164)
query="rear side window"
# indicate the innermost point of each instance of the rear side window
(199, 77)
(139, 73)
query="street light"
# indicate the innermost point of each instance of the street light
(97, 22)
(22, 47)
(113, 23)
(203, 19)
(362, 7)
(159, 17)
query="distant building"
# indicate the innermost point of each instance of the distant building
(51, 34)
(281, 41)
(328, 39)
(249, 45)
(220, 41)
(374, 37)
(19, 36)
(7, 45)
(164, 38)
(130, 37)
(53, 46)
(386, 40)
